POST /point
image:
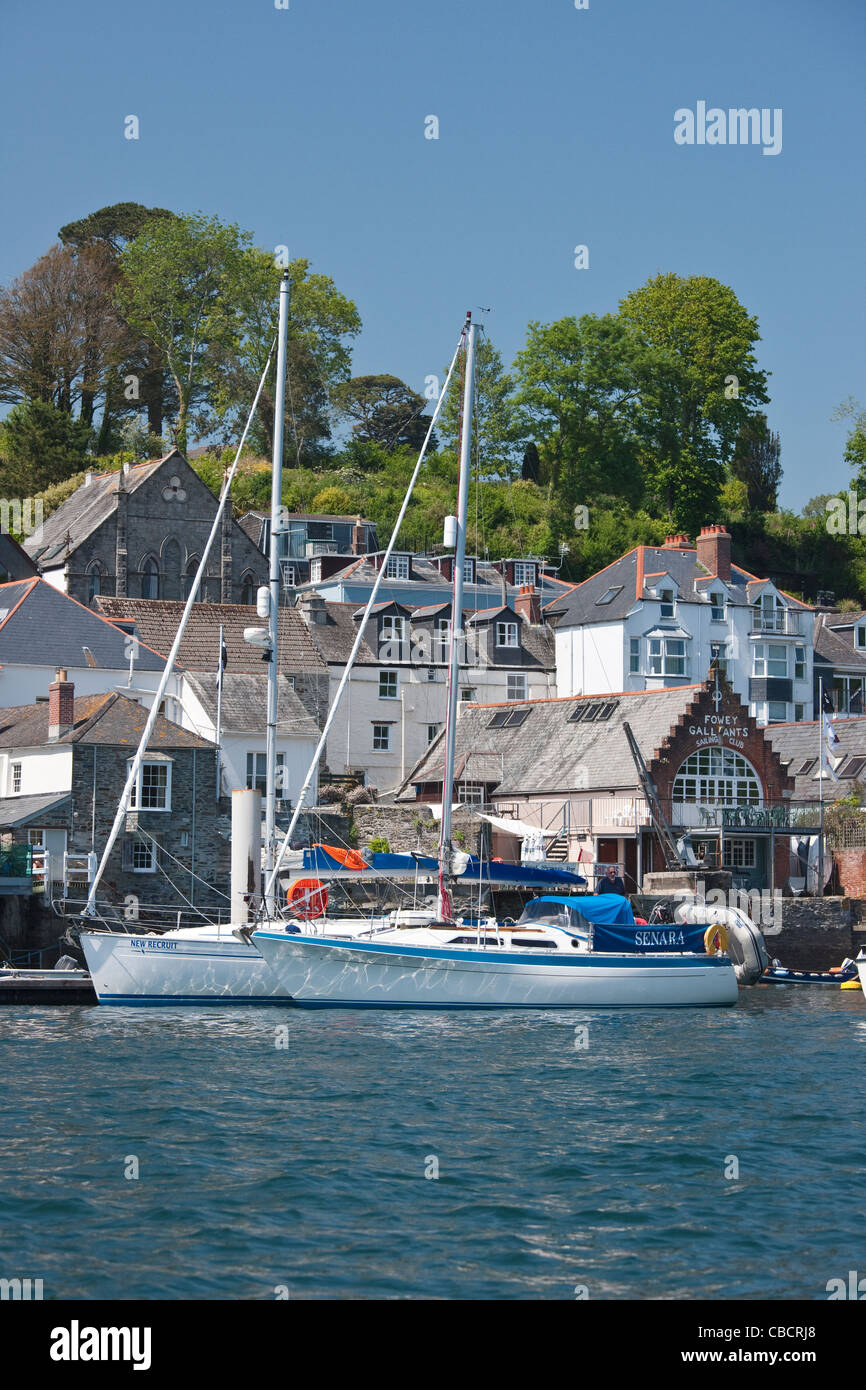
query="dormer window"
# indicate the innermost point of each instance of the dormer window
(393, 628)
(397, 567)
(717, 613)
(666, 598)
(468, 571)
(315, 571)
(524, 572)
(507, 635)
(860, 638)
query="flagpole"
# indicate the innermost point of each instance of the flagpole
(219, 716)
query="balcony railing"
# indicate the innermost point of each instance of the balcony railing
(781, 622)
(791, 816)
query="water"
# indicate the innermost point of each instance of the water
(304, 1167)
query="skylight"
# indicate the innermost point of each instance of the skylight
(609, 595)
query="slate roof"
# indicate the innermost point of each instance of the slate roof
(333, 639)
(424, 574)
(102, 719)
(85, 510)
(69, 634)
(244, 704)
(18, 810)
(157, 620)
(548, 754)
(582, 605)
(834, 640)
(797, 744)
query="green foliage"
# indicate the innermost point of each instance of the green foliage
(333, 501)
(384, 411)
(40, 445)
(379, 845)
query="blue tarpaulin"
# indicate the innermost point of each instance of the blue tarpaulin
(318, 861)
(601, 907)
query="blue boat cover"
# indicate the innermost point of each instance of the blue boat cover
(318, 861)
(597, 907)
(677, 936)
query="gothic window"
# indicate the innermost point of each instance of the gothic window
(149, 577)
(171, 562)
(248, 588)
(95, 575)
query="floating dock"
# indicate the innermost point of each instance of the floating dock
(46, 986)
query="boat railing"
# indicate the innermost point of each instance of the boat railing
(133, 918)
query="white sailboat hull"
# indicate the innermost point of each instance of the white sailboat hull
(861, 971)
(322, 972)
(178, 968)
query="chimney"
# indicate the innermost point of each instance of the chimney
(61, 707)
(714, 552)
(678, 542)
(359, 537)
(313, 609)
(528, 605)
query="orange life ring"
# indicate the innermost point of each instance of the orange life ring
(308, 897)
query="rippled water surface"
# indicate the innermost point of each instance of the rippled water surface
(303, 1166)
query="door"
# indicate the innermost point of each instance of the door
(54, 841)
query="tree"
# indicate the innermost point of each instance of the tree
(176, 278)
(757, 463)
(702, 383)
(112, 229)
(40, 445)
(855, 445)
(494, 433)
(321, 323)
(578, 390)
(60, 335)
(385, 411)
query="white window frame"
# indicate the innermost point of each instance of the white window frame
(397, 567)
(433, 731)
(257, 778)
(467, 695)
(135, 795)
(668, 604)
(389, 685)
(507, 635)
(381, 738)
(513, 679)
(799, 663)
(717, 610)
(471, 793)
(738, 853)
(661, 658)
(142, 847)
(468, 571)
(762, 660)
(780, 718)
(16, 774)
(524, 573)
(393, 628)
(860, 637)
(634, 656)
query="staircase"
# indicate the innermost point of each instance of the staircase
(557, 850)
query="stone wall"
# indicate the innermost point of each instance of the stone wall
(851, 869)
(408, 828)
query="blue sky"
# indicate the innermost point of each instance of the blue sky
(306, 126)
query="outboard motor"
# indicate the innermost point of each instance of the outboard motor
(746, 947)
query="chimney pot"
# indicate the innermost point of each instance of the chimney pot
(61, 706)
(714, 551)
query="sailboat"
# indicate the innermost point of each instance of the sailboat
(564, 952)
(210, 962)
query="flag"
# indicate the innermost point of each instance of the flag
(830, 737)
(224, 656)
(827, 703)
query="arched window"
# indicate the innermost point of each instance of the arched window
(95, 574)
(718, 776)
(248, 588)
(149, 577)
(171, 561)
(192, 565)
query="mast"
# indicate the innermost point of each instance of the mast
(274, 597)
(456, 619)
